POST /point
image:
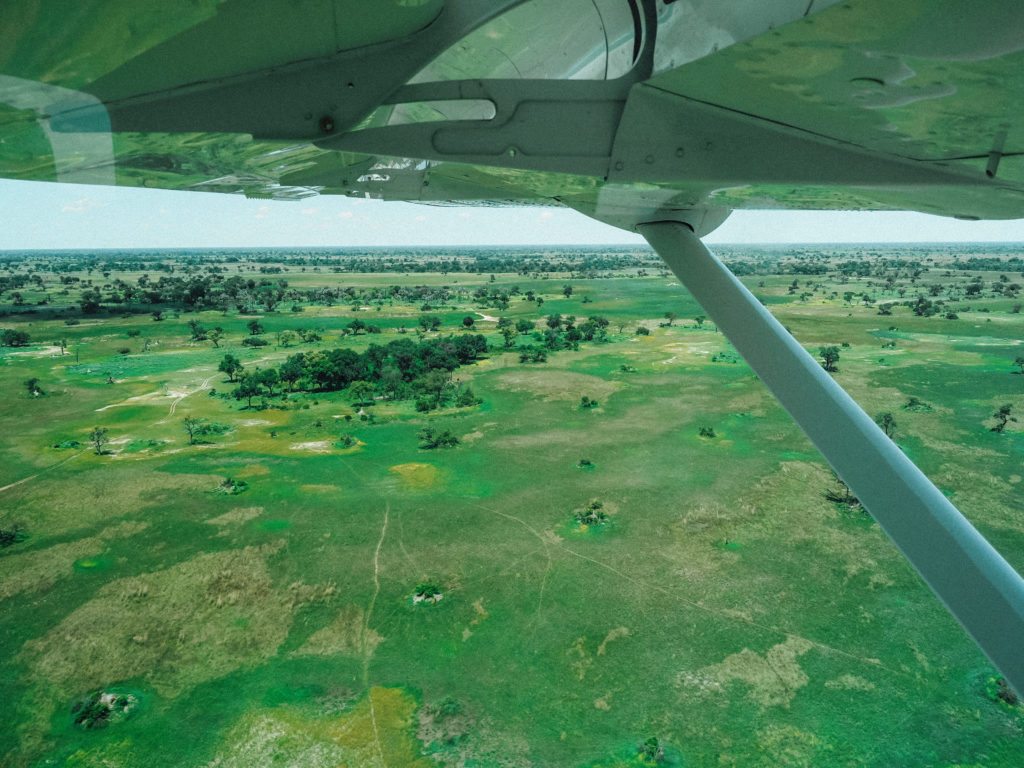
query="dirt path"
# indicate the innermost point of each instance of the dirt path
(487, 318)
(23, 480)
(205, 385)
(366, 651)
(647, 588)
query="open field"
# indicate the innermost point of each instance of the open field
(306, 584)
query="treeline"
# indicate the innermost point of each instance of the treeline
(200, 292)
(400, 370)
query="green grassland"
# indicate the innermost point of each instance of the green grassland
(725, 607)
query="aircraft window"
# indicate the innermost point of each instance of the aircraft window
(545, 39)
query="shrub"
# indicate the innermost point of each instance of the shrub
(592, 514)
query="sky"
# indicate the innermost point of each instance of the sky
(39, 215)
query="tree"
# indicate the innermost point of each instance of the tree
(192, 427)
(430, 322)
(292, 370)
(90, 302)
(670, 317)
(524, 326)
(230, 365)
(567, 290)
(255, 327)
(466, 398)
(841, 494)
(268, 378)
(467, 322)
(829, 356)
(34, 390)
(1019, 362)
(643, 330)
(391, 381)
(592, 514)
(554, 322)
(158, 315)
(98, 438)
(356, 327)
(586, 403)
(436, 383)
(215, 335)
(430, 439)
(13, 338)
(286, 338)
(197, 329)
(361, 392)
(532, 354)
(508, 334)
(887, 422)
(651, 751)
(1003, 417)
(248, 388)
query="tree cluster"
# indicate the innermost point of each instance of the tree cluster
(398, 370)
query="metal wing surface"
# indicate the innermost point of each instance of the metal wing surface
(619, 108)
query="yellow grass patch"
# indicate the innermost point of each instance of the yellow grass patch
(417, 475)
(376, 733)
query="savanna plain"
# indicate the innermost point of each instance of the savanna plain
(493, 507)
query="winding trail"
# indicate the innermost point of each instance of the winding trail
(44, 470)
(674, 595)
(204, 386)
(364, 642)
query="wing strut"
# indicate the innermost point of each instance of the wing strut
(977, 585)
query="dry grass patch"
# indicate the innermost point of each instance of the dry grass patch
(347, 635)
(773, 678)
(558, 385)
(56, 506)
(39, 570)
(236, 516)
(376, 733)
(417, 475)
(176, 628)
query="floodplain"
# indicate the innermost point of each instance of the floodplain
(539, 513)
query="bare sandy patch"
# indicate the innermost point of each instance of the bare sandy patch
(315, 446)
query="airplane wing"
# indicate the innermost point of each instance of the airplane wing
(619, 108)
